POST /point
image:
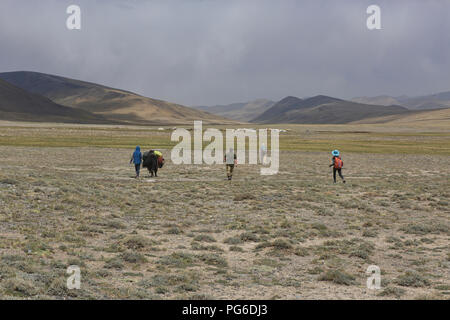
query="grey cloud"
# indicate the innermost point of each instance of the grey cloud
(223, 51)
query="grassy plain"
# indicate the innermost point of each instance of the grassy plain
(68, 197)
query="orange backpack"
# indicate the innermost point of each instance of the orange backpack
(338, 163)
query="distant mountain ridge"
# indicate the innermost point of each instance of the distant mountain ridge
(323, 109)
(432, 101)
(244, 111)
(109, 103)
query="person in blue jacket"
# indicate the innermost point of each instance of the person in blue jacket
(136, 158)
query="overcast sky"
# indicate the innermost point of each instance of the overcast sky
(204, 52)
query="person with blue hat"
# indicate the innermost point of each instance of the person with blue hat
(136, 158)
(337, 164)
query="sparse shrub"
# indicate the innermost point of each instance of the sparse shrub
(301, 252)
(189, 287)
(20, 287)
(276, 245)
(174, 230)
(161, 290)
(412, 279)
(57, 264)
(324, 231)
(213, 259)
(244, 196)
(363, 251)
(58, 287)
(324, 212)
(233, 240)
(114, 224)
(315, 270)
(48, 234)
(248, 236)
(422, 229)
(178, 260)
(204, 238)
(369, 233)
(392, 291)
(267, 262)
(319, 226)
(281, 244)
(136, 242)
(200, 297)
(198, 246)
(12, 259)
(443, 287)
(263, 245)
(102, 273)
(76, 261)
(114, 263)
(338, 277)
(133, 257)
(8, 181)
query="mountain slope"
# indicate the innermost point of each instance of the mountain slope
(113, 104)
(417, 118)
(17, 104)
(378, 100)
(239, 111)
(432, 101)
(323, 109)
(281, 110)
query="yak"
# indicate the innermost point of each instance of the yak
(152, 161)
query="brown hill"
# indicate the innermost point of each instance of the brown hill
(17, 104)
(112, 104)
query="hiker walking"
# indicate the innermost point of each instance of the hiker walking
(231, 161)
(337, 164)
(136, 158)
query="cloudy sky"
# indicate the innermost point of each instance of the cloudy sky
(203, 52)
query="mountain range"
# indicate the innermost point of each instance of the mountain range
(102, 102)
(432, 101)
(33, 96)
(244, 111)
(323, 109)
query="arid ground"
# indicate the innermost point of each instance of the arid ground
(68, 197)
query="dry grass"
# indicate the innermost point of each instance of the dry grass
(190, 233)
